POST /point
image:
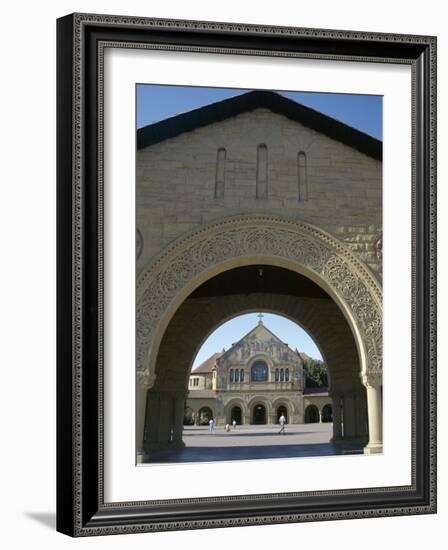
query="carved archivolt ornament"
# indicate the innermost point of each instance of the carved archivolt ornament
(301, 245)
(379, 248)
(372, 379)
(138, 244)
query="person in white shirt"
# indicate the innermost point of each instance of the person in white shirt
(282, 422)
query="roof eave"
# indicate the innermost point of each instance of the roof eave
(222, 110)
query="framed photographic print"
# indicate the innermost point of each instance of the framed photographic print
(246, 274)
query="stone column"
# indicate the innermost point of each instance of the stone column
(144, 382)
(159, 420)
(142, 393)
(349, 416)
(165, 420)
(375, 412)
(178, 421)
(152, 421)
(361, 420)
(337, 417)
(320, 416)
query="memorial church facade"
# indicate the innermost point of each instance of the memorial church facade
(258, 379)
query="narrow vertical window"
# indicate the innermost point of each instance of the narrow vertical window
(262, 172)
(237, 375)
(282, 375)
(277, 375)
(287, 375)
(302, 176)
(231, 375)
(242, 375)
(220, 173)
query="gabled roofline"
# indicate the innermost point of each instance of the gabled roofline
(221, 110)
(216, 354)
(250, 332)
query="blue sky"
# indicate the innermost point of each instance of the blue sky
(155, 103)
(232, 331)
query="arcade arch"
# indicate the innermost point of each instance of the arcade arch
(311, 414)
(286, 267)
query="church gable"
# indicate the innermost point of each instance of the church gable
(259, 341)
(268, 157)
(249, 102)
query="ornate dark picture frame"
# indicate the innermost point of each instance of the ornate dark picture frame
(81, 509)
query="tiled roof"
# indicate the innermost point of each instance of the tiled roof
(201, 394)
(207, 365)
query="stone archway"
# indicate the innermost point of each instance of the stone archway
(327, 413)
(235, 409)
(297, 246)
(236, 415)
(282, 410)
(259, 414)
(205, 414)
(311, 414)
(260, 411)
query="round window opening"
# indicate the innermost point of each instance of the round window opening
(259, 372)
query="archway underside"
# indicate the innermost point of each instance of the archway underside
(228, 295)
(175, 314)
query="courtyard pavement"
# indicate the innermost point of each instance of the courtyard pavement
(253, 442)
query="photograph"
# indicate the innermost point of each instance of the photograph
(220, 264)
(258, 274)
(246, 274)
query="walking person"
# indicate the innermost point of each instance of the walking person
(234, 423)
(212, 425)
(282, 422)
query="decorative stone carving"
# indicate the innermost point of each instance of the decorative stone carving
(379, 248)
(145, 378)
(372, 379)
(301, 244)
(138, 244)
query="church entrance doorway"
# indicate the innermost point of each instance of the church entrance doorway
(236, 415)
(311, 414)
(259, 414)
(282, 410)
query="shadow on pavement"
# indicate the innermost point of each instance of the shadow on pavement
(211, 454)
(223, 433)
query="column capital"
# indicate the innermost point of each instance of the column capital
(372, 379)
(145, 379)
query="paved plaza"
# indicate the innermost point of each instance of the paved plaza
(253, 442)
